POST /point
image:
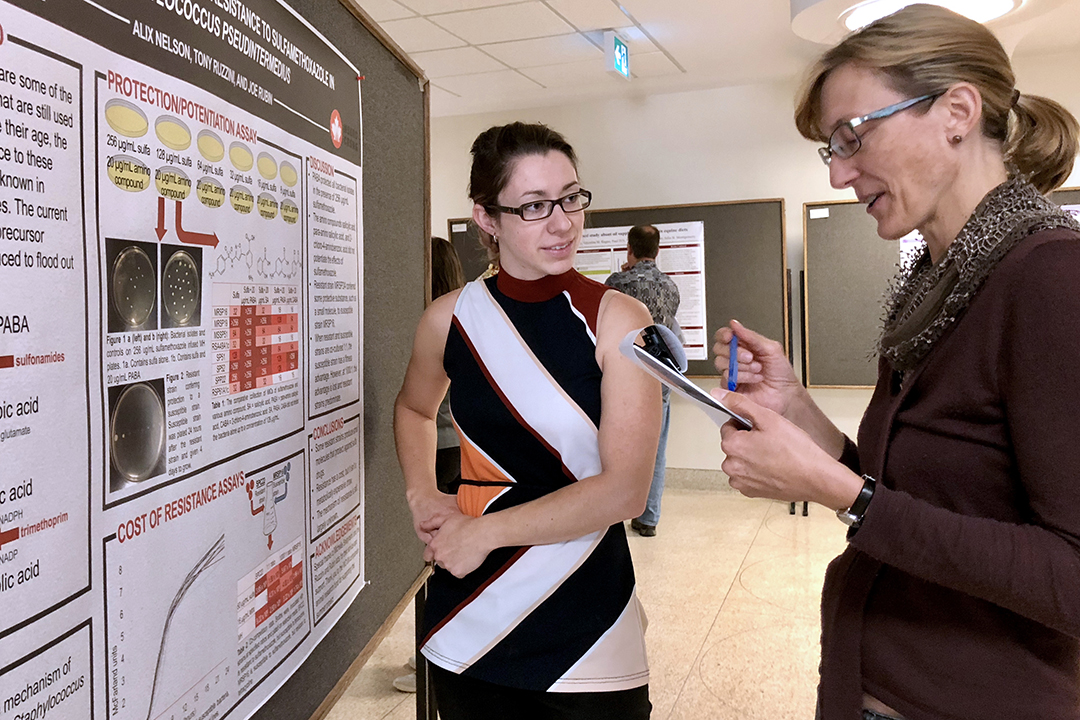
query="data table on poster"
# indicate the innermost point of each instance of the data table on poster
(256, 336)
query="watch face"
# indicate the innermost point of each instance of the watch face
(847, 518)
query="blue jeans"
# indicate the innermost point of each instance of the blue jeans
(651, 516)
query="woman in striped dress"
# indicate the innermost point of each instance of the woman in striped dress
(532, 610)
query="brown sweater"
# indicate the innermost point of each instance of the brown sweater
(959, 597)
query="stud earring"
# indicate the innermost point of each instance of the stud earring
(956, 139)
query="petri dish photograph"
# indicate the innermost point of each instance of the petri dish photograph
(137, 432)
(134, 286)
(180, 288)
(288, 174)
(172, 132)
(268, 167)
(240, 156)
(125, 118)
(210, 146)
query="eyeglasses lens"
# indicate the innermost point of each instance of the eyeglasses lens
(542, 209)
(844, 142)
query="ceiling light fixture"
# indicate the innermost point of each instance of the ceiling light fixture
(827, 21)
(982, 11)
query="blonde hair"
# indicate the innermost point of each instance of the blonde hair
(925, 49)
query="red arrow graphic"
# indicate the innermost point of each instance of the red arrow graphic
(160, 229)
(270, 541)
(9, 536)
(193, 238)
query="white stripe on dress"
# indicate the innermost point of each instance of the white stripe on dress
(508, 600)
(581, 317)
(526, 384)
(617, 661)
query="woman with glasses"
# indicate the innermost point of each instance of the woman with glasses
(532, 610)
(958, 595)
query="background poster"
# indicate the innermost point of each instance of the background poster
(682, 257)
(181, 507)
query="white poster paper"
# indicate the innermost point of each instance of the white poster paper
(182, 503)
(682, 257)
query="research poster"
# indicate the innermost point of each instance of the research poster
(682, 257)
(181, 425)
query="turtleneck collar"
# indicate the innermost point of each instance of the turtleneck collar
(532, 291)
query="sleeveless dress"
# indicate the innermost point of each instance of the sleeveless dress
(526, 405)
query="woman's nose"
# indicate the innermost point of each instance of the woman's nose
(842, 172)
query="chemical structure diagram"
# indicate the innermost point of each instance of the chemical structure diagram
(261, 265)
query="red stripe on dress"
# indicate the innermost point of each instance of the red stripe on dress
(475, 594)
(506, 402)
(585, 296)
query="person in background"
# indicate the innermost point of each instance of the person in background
(446, 276)
(641, 278)
(958, 595)
(531, 610)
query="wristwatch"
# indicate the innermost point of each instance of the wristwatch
(853, 516)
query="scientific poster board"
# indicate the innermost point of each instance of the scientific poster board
(182, 231)
(745, 251)
(848, 270)
(681, 257)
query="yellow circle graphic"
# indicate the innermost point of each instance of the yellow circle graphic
(128, 173)
(172, 183)
(210, 192)
(267, 206)
(241, 199)
(289, 212)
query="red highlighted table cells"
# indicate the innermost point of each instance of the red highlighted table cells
(280, 584)
(259, 352)
(256, 339)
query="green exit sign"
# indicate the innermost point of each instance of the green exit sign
(616, 55)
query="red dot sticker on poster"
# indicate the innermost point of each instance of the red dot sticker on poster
(335, 128)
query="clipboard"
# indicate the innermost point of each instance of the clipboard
(663, 357)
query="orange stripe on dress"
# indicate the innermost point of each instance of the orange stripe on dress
(472, 499)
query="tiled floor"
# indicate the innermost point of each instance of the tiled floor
(731, 587)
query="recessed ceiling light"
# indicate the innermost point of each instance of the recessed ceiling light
(979, 10)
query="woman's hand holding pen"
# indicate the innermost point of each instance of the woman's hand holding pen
(764, 373)
(766, 377)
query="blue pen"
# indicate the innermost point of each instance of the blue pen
(733, 364)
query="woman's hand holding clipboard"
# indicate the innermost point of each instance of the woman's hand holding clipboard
(662, 356)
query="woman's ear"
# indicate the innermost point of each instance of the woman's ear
(963, 103)
(483, 220)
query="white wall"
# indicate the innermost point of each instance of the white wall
(707, 146)
(736, 143)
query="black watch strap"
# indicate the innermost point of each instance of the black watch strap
(853, 516)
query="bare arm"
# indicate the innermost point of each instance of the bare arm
(415, 409)
(628, 434)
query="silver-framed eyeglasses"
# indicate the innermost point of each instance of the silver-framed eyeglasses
(845, 142)
(542, 209)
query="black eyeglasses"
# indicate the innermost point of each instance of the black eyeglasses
(542, 209)
(845, 142)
